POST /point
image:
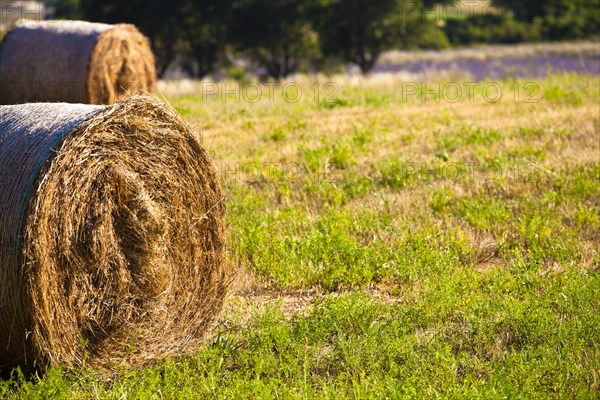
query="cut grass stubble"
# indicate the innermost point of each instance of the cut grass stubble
(444, 250)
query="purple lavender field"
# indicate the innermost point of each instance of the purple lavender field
(498, 62)
(517, 67)
(476, 63)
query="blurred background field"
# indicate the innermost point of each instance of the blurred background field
(250, 39)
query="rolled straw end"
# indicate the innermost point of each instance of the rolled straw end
(112, 234)
(74, 62)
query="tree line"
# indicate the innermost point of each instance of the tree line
(285, 36)
(518, 21)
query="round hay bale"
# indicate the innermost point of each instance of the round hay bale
(112, 239)
(74, 62)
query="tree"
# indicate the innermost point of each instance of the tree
(204, 31)
(358, 31)
(193, 28)
(277, 35)
(63, 9)
(158, 20)
(560, 19)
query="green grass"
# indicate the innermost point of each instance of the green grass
(393, 249)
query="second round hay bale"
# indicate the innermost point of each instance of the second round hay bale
(74, 62)
(112, 239)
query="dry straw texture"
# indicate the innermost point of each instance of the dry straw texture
(111, 234)
(74, 62)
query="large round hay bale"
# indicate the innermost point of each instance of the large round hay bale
(74, 62)
(111, 234)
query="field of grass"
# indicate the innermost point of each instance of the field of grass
(393, 245)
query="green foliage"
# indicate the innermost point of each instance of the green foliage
(287, 36)
(559, 94)
(203, 27)
(557, 19)
(195, 30)
(431, 37)
(581, 14)
(64, 9)
(157, 20)
(457, 337)
(465, 135)
(238, 74)
(491, 28)
(527, 21)
(277, 35)
(396, 173)
(358, 31)
(571, 20)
